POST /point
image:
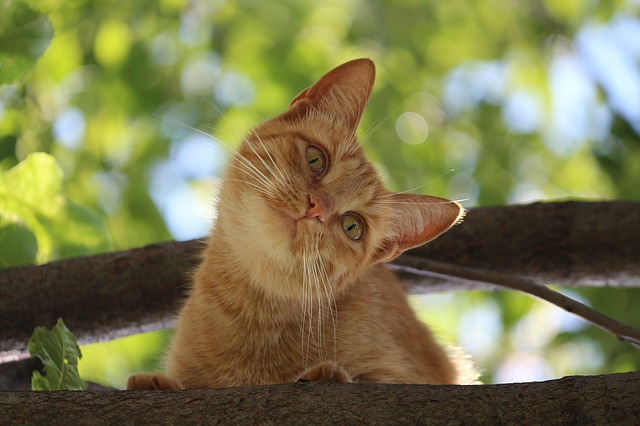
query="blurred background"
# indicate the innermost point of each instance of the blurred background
(116, 119)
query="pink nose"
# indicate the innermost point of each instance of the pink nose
(319, 207)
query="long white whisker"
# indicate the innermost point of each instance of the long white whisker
(320, 318)
(224, 89)
(305, 351)
(377, 125)
(214, 147)
(418, 187)
(266, 185)
(278, 169)
(266, 165)
(257, 173)
(424, 203)
(185, 126)
(257, 187)
(214, 105)
(328, 289)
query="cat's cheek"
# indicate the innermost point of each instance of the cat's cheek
(285, 222)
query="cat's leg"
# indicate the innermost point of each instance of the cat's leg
(152, 381)
(326, 372)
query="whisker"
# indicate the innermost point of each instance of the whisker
(331, 302)
(418, 187)
(423, 203)
(242, 111)
(461, 200)
(265, 164)
(257, 187)
(320, 309)
(185, 126)
(265, 184)
(257, 173)
(197, 142)
(305, 352)
(377, 125)
(284, 176)
(218, 110)
(210, 127)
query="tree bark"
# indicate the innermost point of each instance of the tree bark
(608, 399)
(574, 244)
(110, 295)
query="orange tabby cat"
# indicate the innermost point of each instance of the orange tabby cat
(292, 283)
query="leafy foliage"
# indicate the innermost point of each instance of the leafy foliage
(24, 36)
(59, 352)
(38, 222)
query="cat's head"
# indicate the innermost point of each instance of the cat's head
(302, 203)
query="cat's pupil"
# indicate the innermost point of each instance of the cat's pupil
(317, 160)
(353, 225)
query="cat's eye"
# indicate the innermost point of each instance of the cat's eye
(317, 160)
(353, 226)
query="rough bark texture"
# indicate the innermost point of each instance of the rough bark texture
(100, 297)
(115, 294)
(609, 399)
(16, 375)
(568, 243)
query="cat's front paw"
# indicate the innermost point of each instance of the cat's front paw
(146, 381)
(326, 372)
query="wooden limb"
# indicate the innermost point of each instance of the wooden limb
(607, 399)
(100, 297)
(426, 266)
(115, 294)
(573, 244)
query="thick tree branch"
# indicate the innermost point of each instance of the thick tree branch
(574, 244)
(607, 399)
(115, 294)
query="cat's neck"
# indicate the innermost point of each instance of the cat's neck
(251, 264)
(232, 272)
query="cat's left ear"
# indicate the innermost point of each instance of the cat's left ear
(343, 92)
(416, 220)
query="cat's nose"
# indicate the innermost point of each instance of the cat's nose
(319, 207)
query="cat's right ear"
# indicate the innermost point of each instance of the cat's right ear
(415, 220)
(342, 93)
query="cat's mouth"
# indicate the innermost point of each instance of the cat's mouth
(291, 222)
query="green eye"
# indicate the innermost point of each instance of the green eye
(317, 159)
(353, 226)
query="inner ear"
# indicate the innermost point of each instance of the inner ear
(342, 93)
(416, 220)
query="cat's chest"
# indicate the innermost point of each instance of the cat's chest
(292, 344)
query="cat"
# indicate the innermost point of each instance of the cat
(292, 284)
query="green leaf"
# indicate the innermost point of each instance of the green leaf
(37, 181)
(59, 352)
(24, 36)
(32, 198)
(19, 245)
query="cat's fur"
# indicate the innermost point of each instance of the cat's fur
(283, 293)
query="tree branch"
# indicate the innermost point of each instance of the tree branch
(420, 266)
(607, 399)
(115, 294)
(573, 244)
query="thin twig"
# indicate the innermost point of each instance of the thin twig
(429, 267)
